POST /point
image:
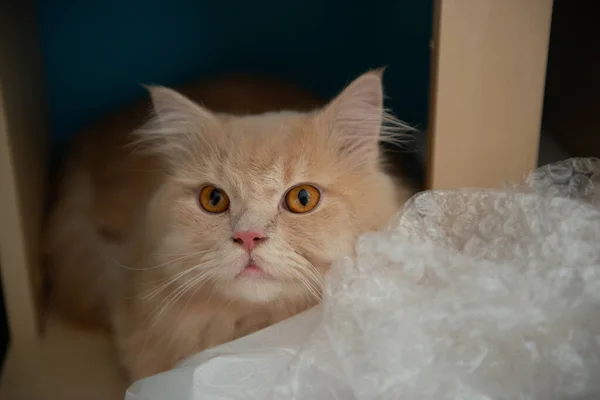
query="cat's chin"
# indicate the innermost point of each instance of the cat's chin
(255, 290)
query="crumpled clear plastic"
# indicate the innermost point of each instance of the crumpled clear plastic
(467, 294)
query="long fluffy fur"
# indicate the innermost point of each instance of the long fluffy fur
(170, 270)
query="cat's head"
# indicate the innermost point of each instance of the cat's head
(257, 207)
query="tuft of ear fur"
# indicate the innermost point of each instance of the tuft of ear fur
(358, 122)
(177, 126)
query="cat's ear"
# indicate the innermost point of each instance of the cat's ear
(169, 104)
(178, 127)
(356, 119)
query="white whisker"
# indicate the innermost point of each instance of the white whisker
(172, 279)
(166, 283)
(297, 270)
(167, 263)
(174, 296)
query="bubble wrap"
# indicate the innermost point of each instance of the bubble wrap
(469, 294)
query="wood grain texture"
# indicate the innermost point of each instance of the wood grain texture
(488, 73)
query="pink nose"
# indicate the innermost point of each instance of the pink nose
(248, 239)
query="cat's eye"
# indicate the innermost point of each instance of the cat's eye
(302, 198)
(213, 200)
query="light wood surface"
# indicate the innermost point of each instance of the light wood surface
(22, 167)
(489, 63)
(66, 363)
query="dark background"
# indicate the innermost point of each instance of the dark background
(97, 52)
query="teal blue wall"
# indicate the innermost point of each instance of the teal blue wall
(97, 52)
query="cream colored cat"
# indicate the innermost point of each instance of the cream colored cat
(204, 226)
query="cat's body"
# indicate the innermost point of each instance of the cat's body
(131, 248)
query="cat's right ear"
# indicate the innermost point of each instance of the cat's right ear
(171, 107)
(354, 118)
(357, 122)
(177, 127)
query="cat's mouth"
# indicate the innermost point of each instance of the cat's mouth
(253, 271)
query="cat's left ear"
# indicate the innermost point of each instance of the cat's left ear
(178, 127)
(354, 117)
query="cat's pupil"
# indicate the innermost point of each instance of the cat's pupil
(215, 197)
(303, 197)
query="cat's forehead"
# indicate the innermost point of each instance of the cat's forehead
(268, 152)
(252, 128)
(261, 141)
(260, 156)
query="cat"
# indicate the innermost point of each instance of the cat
(219, 215)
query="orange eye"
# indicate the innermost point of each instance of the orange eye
(302, 198)
(213, 199)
